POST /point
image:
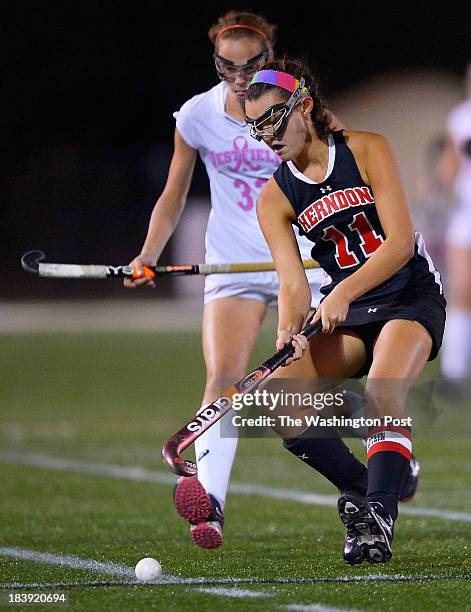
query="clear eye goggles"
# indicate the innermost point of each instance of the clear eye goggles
(228, 71)
(274, 120)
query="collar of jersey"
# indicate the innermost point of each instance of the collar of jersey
(330, 166)
(222, 104)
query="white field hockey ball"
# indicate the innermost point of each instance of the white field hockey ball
(148, 569)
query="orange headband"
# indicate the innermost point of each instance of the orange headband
(239, 26)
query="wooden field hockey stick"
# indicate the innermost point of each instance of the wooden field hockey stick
(217, 409)
(31, 262)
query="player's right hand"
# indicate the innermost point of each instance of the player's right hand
(141, 280)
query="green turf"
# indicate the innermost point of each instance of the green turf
(114, 399)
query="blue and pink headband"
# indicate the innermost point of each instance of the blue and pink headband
(279, 79)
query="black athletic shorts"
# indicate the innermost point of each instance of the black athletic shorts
(424, 304)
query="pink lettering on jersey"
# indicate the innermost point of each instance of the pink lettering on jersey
(243, 158)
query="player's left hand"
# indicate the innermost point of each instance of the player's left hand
(332, 311)
(297, 341)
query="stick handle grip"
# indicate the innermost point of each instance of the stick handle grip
(279, 358)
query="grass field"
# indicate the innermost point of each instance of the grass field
(85, 495)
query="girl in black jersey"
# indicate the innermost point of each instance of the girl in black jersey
(383, 312)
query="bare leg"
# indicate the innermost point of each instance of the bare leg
(390, 379)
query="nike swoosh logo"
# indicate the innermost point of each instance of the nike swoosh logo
(203, 454)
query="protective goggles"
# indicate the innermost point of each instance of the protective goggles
(228, 71)
(273, 122)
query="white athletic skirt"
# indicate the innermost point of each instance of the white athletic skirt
(261, 286)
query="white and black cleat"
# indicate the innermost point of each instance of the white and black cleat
(202, 510)
(369, 530)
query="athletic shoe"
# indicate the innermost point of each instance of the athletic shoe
(201, 510)
(352, 551)
(411, 483)
(370, 524)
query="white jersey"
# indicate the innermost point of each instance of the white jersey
(459, 129)
(238, 166)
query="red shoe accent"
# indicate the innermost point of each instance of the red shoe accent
(191, 500)
(207, 535)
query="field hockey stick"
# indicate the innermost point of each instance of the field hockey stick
(217, 409)
(31, 262)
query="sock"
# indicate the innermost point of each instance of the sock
(331, 457)
(389, 453)
(215, 456)
(456, 350)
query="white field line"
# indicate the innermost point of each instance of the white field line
(101, 316)
(113, 569)
(234, 592)
(317, 608)
(175, 581)
(246, 594)
(146, 475)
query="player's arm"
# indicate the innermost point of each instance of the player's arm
(169, 206)
(275, 216)
(379, 169)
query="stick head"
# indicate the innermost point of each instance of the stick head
(171, 456)
(30, 261)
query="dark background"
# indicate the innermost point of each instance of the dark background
(88, 92)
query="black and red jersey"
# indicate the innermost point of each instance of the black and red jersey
(339, 216)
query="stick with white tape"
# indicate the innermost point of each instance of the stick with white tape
(31, 262)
